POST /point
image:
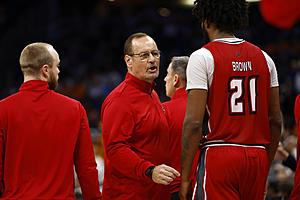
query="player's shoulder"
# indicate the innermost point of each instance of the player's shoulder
(251, 44)
(63, 98)
(268, 59)
(202, 55)
(118, 96)
(258, 51)
(201, 52)
(267, 56)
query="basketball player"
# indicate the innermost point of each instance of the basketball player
(236, 83)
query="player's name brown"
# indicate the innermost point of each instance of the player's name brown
(241, 66)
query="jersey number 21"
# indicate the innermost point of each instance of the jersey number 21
(237, 87)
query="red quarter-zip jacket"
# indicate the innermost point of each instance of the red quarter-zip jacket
(42, 135)
(175, 112)
(135, 135)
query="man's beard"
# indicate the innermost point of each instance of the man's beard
(151, 76)
(52, 82)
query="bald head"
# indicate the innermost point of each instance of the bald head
(34, 56)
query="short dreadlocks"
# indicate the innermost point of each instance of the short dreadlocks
(227, 15)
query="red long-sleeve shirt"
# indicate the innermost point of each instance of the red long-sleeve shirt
(42, 135)
(295, 195)
(135, 135)
(175, 112)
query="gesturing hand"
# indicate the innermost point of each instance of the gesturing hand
(163, 174)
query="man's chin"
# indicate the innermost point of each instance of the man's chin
(152, 76)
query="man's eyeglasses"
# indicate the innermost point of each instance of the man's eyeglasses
(146, 55)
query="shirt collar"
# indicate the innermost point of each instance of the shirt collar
(139, 84)
(229, 40)
(34, 85)
(180, 93)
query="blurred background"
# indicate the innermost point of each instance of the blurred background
(89, 37)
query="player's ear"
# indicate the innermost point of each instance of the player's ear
(128, 60)
(176, 81)
(206, 24)
(45, 71)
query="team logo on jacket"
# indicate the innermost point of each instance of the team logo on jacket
(163, 109)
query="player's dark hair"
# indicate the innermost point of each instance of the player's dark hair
(178, 66)
(227, 15)
(128, 42)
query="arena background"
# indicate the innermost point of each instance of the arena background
(89, 37)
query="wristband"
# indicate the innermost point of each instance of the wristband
(149, 172)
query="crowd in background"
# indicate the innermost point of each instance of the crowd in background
(89, 38)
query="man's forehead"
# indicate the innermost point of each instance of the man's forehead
(143, 43)
(53, 52)
(170, 68)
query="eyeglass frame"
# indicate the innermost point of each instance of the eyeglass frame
(148, 54)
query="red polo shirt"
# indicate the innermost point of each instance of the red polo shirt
(175, 112)
(135, 135)
(42, 135)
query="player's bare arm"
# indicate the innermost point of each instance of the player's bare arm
(191, 135)
(275, 123)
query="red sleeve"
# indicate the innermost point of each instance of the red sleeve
(165, 106)
(2, 150)
(297, 119)
(280, 13)
(85, 164)
(2, 145)
(118, 126)
(297, 110)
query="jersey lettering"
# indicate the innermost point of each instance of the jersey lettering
(242, 66)
(236, 101)
(236, 89)
(252, 91)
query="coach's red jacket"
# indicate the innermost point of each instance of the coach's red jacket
(42, 135)
(175, 112)
(135, 135)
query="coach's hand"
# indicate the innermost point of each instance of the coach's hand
(184, 192)
(163, 174)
